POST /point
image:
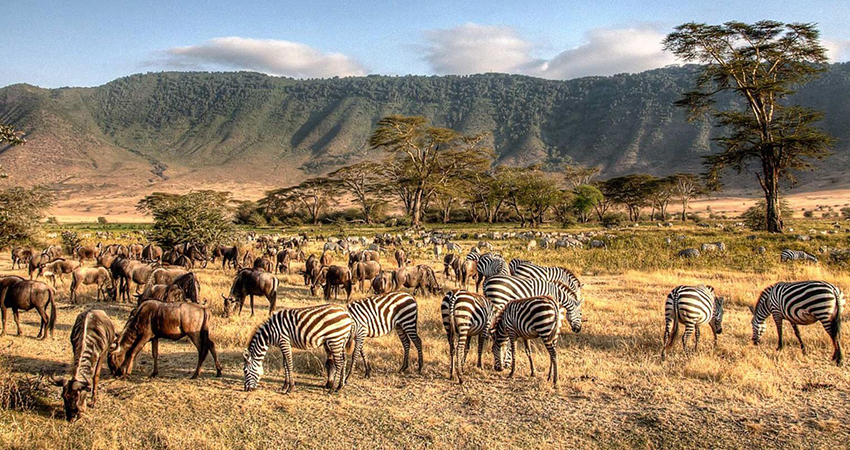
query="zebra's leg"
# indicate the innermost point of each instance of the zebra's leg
(405, 343)
(450, 338)
(339, 362)
(696, 336)
(359, 338)
(777, 319)
(528, 353)
(668, 331)
(513, 361)
(481, 339)
(286, 351)
(553, 364)
(417, 342)
(462, 350)
(799, 338)
(689, 329)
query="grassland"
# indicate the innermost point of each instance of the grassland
(614, 392)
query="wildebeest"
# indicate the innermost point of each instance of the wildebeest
(36, 264)
(332, 278)
(61, 267)
(451, 266)
(52, 252)
(165, 275)
(151, 253)
(24, 295)
(139, 273)
(84, 252)
(251, 282)
(326, 259)
(365, 270)
(469, 272)
(92, 275)
(311, 270)
(21, 255)
(380, 284)
(167, 293)
(134, 251)
(154, 320)
(400, 258)
(91, 338)
(282, 260)
(229, 256)
(420, 278)
(262, 263)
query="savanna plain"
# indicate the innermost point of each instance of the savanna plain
(614, 390)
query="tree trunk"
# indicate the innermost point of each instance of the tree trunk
(684, 209)
(416, 210)
(771, 195)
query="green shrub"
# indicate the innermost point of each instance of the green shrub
(613, 219)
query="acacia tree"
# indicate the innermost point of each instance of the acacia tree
(9, 137)
(314, 195)
(660, 191)
(687, 186)
(531, 193)
(576, 174)
(196, 217)
(21, 211)
(367, 183)
(431, 154)
(760, 63)
(632, 191)
(584, 200)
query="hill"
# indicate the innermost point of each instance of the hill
(247, 132)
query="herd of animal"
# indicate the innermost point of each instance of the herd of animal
(520, 301)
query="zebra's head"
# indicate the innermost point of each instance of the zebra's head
(759, 316)
(571, 303)
(717, 320)
(253, 369)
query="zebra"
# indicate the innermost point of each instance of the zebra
(689, 253)
(465, 314)
(801, 303)
(502, 289)
(525, 319)
(795, 255)
(691, 306)
(490, 264)
(527, 269)
(328, 326)
(377, 316)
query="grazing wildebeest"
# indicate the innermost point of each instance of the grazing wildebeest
(91, 338)
(139, 273)
(451, 262)
(229, 256)
(381, 284)
(36, 264)
(420, 278)
(165, 275)
(84, 252)
(189, 285)
(21, 255)
(92, 275)
(251, 282)
(24, 295)
(154, 320)
(167, 293)
(247, 260)
(326, 259)
(365, 270)
(283, 258)
(151, 253)
(195, 252)
(183, 261)
(333, 277)
(61, 267)
(263, 263)
(311, 270)
(401, 258)
(52, 252)
(106, 260)
(134, 251)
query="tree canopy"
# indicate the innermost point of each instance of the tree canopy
(197, 217)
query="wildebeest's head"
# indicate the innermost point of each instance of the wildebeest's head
(230, 304)
(115, 360)
(74, 396)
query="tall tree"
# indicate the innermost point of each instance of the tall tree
(531, 193)
(21, 211)
(9, 137)
(760, 63)
(433, 154)
(631, 191)
(687, 186)
(367, 183)
(576, 174)
(196, 217)
(585, 199)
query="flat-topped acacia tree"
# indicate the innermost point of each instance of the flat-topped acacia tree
(761, 64)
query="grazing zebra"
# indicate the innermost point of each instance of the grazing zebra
(502, 289)
(527, 269)
(536, 317)
(689, 253)
(490, 264)
(795, 255)
(465, 315)
(377, 316)
(691, 306)
(328, 326)
(801, 303)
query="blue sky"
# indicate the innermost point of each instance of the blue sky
(55, 43)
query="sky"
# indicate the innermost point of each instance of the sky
(55, 43)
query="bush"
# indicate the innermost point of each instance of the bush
(845, 212)
(292, 221)
(808, 214)
(20, 213)
(70, 241)
(755, 218)
(102, 220)
(52, 221)
(612, 219)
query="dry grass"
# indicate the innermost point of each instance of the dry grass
(614, 389)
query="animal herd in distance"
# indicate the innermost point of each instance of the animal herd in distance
(521, 301)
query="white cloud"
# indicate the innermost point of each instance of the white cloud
(274, 57)
(837, 50)
(473, 48)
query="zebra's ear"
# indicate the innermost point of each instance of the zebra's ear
(245, 355)
(752, 310)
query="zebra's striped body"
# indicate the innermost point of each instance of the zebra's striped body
(502, 289)
(801, 303)
(378, 316)
(795, 255)
(536, 317)
(465, 314)
(328, 326)
(489, 265)
(527, 269)
(691, 306)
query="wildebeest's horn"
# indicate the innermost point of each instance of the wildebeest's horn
(56, 382)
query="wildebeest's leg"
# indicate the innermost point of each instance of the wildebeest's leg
(252, 305)
(138, 345)
(17, 319)
(211, 347)
(799, 338)
(155, 353)
(96, 379)
(3, 313)
(42, 329)
(272, 298)
(528, 353)
(200, 344)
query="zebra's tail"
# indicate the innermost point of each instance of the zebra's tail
(675, 331)
(835, 330)
(452, 295)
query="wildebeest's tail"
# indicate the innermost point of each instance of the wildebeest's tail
(51, 322)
